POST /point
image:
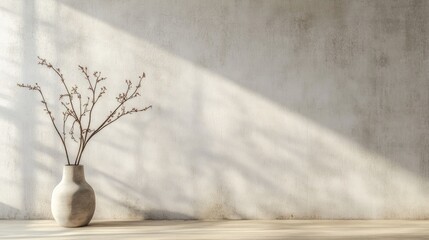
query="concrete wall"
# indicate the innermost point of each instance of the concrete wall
(261, 109)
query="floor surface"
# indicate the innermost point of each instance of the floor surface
(278, 229)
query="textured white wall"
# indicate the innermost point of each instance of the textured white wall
(261, 109)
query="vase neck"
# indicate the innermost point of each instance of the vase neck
(73, 173)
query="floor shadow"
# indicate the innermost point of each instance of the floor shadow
(160, 214)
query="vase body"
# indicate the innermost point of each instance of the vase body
(73, 199)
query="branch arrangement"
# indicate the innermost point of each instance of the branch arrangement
(78, 112)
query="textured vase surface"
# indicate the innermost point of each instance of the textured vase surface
(73, 199)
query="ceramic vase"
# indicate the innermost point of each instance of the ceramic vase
(73, 199)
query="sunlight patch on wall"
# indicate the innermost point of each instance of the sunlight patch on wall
(211, 148)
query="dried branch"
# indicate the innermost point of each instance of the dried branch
(85, 108)
(122, 99)
(37, 88)
(69, 95)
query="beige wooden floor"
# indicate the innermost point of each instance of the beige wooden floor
(279, 229)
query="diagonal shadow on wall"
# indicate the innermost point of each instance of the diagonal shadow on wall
(356, 69)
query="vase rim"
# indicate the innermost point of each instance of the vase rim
(72, 165)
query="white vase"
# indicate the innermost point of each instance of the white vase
(73, 199)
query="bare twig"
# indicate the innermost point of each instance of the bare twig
(37, 88)
(122, 99)
(85, 108)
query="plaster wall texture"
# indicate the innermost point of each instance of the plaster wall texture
(261, 109)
